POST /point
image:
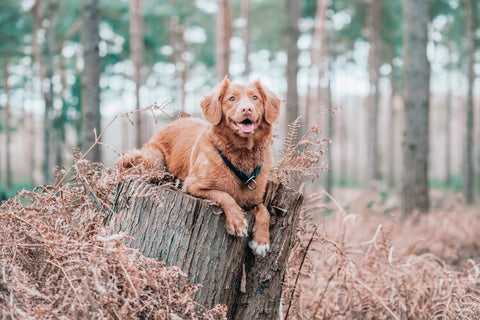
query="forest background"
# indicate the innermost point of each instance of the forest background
(71, 66)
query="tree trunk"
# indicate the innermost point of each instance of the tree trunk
(293, 16)
(8, 134)
(392, 130)
(470, 10)
(182, 230)
(246, 31)
(318, 52)
(136, 52)
(48, 90)
(224, 34)
(374, 22)
(91, 117)
(331, 133)
(448, 123)
(416, 71)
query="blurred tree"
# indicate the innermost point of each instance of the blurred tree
(319, 65)
(470, 8)
(91, 117)
(47, 86)
(373, 30)
(391, 33)
(416, 76)
(136, 54)
(246, 31)
(7, 116)
(11, 47)
(224, 34)
(294, 13)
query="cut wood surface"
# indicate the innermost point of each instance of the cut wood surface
(182, 230)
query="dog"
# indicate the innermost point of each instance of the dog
(226, 160)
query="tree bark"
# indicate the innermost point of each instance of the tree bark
(224, 34)
(416, 71)
(136, 52)
(8, 156)
(374, 21)
(47, 88)
(184, 231)
(448, 123)
(318, 52)
(470, 10)
(293, 16)
(392, 131)
(91, 117)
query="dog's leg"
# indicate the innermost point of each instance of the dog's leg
(235, 219)
(261, 235)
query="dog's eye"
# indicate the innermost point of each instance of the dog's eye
(254, 98)
(232, 98)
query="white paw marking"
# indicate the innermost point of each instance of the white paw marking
(259, 249)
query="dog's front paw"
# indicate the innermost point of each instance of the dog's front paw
(259, 249)
(237, 225)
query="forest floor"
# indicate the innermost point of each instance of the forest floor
(363, 263)
(59, 260)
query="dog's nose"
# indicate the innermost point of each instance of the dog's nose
(247, 109)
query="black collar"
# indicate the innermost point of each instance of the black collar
(244, 177)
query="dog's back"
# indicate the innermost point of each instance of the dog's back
(176, 141)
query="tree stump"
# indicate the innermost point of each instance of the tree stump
(182, 230)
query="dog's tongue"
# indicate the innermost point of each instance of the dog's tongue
(246, 127)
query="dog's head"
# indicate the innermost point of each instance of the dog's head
(242, 107)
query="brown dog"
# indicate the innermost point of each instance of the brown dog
(228, 160)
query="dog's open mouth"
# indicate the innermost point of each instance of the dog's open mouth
(245, 127)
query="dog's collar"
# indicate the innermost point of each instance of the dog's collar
(248, 180)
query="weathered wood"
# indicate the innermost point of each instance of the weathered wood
(185, 231)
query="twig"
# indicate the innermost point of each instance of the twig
(299, 271)
(379, 298)
(97, 138)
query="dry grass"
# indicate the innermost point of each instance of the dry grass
(59, 261)
(369, 267)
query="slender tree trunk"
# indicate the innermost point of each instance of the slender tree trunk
(318, 52)
(91, 116)
(470, 10)
(246, 31)
(136, 51)
(37, 11)
(448, 124)
(392, 130)
(224, 34)
(8, 133)
(60, 121)
(48, 90)
(293, 16)
(416, 71)
(374, 59)
(331, 133)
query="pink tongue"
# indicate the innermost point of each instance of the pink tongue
(246, 127)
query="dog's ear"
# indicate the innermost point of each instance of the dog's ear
(271, 103)
(212, 104)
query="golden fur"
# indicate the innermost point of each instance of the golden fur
(187, 147)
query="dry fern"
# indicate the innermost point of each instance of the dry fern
(59, 261)
(395, 274)
(301, 160)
